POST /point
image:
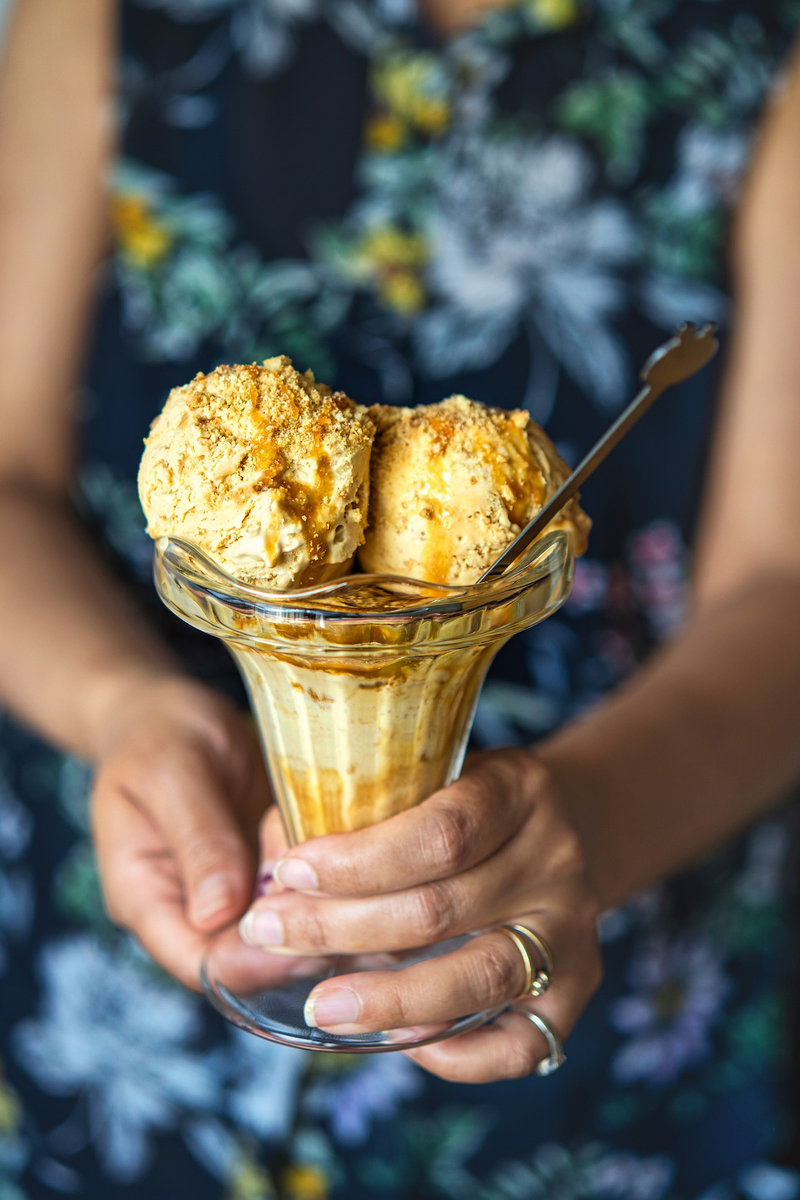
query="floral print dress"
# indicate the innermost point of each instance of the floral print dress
(519, 215)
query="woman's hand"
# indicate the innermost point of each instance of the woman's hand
(492, 848)
(177, 799)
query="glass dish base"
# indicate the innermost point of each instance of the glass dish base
(277, 1012)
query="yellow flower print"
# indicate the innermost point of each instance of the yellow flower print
(385, 132)
(388, 246)
(143, 239)
(414, 90)
(403, 292)
(302, 1181)
(395, 260)
(251, 1182)
(10, 1109)
(432, 115)
(553, 14)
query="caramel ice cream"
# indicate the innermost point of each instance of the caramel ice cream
(263, 469)
(452, 485)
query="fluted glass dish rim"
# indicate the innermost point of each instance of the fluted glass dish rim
(182, 562)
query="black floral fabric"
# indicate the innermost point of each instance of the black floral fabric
(520, 215)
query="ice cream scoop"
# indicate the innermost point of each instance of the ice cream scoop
(262, 468)
(452, 485)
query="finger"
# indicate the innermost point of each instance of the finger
(163, 930)
(230, 967)
(142, 888)
(311, 924)
(511, 1047)
(486, 973)
(144, 895)
(303, 924)
(453, 830)
(184, 796)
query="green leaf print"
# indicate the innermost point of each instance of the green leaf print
(611, 112)
(553, 1173)
(435, 1149)
(757, 1033)
(629, 25)
(77, 891)
(682, 244)
(717, 79)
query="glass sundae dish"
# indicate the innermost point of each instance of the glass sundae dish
(363, 691)
(261, 487)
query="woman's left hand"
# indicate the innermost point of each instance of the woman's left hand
(495, 847)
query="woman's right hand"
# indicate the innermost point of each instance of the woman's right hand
(178, 796)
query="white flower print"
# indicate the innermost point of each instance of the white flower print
(763, 1181)
(679, 991)
(515, 240)
(261, 30)
(759, 1181)
(669, 300)
(365, 23)
(120, 1036)
(639, 912)
(372, 1091)
(577, 1173)
(710, 164)
(264, 1079)
(623, 1176)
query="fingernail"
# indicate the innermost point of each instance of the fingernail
(261, 927)
(265, 884)
(298, 874)
(336, 1006)
(212, 895)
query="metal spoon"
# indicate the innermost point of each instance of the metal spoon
(689, 349)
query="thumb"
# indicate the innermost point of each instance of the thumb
(215, 863)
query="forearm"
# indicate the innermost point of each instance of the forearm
(73, 647)
(703, 740)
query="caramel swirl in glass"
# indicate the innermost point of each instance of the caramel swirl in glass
(364, 689)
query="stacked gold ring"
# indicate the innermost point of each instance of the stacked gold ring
(537, 977)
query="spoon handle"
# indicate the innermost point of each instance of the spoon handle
(678, 359)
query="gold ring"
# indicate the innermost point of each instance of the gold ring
(543, 976)
(524, 954)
